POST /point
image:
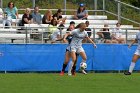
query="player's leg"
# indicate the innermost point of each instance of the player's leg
(67, 58)
(132, 65)
(74, 66)
(73, 56)
(84, 58)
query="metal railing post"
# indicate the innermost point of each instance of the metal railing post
(126, 35)
(65, 7)
(94, 34)
(104, 7)
(95, 6)
(1, 3)
(33, 3)
(26, 38)
(119, 11)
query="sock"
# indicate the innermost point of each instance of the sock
(70, 67)
(64, 67)
(83, 60)
(132, 65)
(73, 68)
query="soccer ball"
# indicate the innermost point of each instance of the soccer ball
(83, 65)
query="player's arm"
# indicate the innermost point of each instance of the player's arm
(91, 41)
(134, 41)
(65, 36)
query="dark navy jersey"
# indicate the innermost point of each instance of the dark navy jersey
(69, 38)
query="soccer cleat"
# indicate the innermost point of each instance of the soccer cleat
(73, 73)
(69, 74)
(127, 73)
(61, 73)
(84, 72)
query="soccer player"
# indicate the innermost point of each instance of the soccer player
(67, 54)
(67, 58)
(136, 54)
(76, 44)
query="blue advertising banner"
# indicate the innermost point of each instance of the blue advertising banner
(50, 57)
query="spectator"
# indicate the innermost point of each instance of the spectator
(37, 19)
(106, 35)
(58, 17)
(71, 26)
(1, 14)
(56, 35)
(81, 13)
(47, 17)
(11, 12)
(117, 34)
(27, 17)
(88, 29)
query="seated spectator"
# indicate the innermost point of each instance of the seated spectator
(81, 13)
(58, 17)
(53, 26)
(117, 34)
(27, 17)
(37, 19)
(106, 35)
(88, 29)
(47, 17)
(1, 14)
(56, 35)
(11, 12)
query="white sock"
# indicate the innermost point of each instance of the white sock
(132, 65)
(70, 67)
(84, 61)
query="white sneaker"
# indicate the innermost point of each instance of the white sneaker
(84, 72)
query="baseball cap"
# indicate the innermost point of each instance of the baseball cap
(81, 5)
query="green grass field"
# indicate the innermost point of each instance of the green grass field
(53, 83)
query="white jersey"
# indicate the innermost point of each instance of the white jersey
(117, 32)
(55, 34)
(137, 52)
(138, 39)
(77, 37)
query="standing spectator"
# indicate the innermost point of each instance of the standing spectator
(11, 12)
(58, 17)
(37, 19)
(47, 17)
(81, 13)
(27, 17)
(117, 34)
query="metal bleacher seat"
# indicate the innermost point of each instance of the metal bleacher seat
(98, 22)
(11, 34)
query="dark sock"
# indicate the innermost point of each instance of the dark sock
(73, 68)
(64, 66)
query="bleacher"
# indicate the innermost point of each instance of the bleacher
(96, 23)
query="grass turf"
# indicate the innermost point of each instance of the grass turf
(53, 83)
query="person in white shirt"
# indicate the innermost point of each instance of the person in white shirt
(117, 34)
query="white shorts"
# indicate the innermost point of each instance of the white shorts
(77, 49)
(137, 52)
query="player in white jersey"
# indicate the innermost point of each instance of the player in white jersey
(76, 44)
(136, 55)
